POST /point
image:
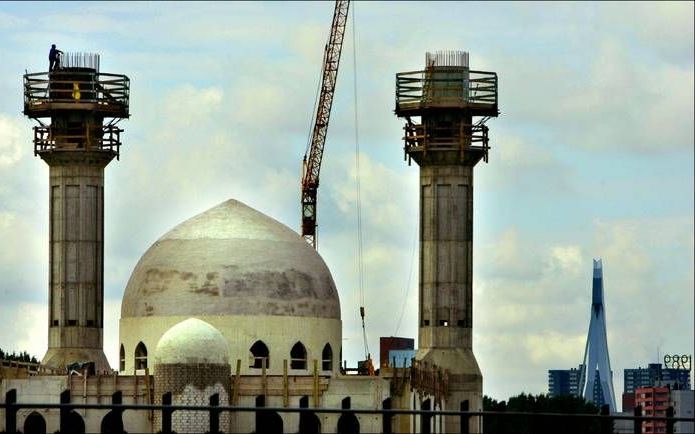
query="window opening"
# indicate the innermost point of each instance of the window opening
(298, 356)
(259, 355)
(141, 356)
(121, 359)
(327, 358)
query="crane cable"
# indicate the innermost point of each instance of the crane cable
(312, 120)
(360, 249)
(410, 276)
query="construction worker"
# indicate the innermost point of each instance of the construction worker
(54, 58)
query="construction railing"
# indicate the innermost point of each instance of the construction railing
(420, 138)
(423, 420)
(108, 139)
(65, 86)
(445, 87)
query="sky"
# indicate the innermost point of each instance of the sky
(591, 157)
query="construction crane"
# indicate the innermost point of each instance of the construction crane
(312, 158)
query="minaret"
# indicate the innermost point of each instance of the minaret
(596, 358)
(83, 107)
(447, 143)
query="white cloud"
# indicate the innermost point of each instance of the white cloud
(12, 140)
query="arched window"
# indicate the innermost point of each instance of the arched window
(34, 424)
(386, 419)
(426, 419)
(259, 355)
(348, 423)
(121, 359)
(141, 356)
(298, 356)
(75, 423)
(327, 358)
(267, 422)
(112, 423)
(309, 423)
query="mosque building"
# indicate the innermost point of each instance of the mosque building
(234, 304)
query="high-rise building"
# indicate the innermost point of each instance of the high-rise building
(652, 376)
(596, 359)
(654, 402)
(655, 375)
(683, 403)
(567, 382)
(564, 381)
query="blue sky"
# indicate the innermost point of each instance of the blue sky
(592, 156)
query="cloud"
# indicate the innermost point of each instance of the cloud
(29, 328)
(12, 135)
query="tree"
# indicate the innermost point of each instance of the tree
(523, 424)
(18, 357)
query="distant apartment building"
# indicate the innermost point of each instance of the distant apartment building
(683, 403)
(567, 382)
(654, 402)
(654, 374)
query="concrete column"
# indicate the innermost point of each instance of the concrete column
(446, 256)
(76, 254)
(446, 264)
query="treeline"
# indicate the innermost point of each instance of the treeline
(18, 357)
(537, 424)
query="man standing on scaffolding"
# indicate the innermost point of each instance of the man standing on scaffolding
(54, 58)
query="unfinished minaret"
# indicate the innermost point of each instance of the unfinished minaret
(82, 106)
(439, 104)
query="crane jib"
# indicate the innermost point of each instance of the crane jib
(312, 162)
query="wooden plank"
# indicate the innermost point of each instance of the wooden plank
(235, 391)
(316, 383)
(285, 385)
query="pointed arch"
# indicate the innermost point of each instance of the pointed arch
(140, 356)
(309, 423)
(348, 423)
(327, 358)
(386, 419)
(112, 423)
(121, 358)
(426, 419)
(34, 424)
(259, 355)
(267, 422)
(298, 356)
(75, 423)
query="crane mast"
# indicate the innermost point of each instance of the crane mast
(312, 160)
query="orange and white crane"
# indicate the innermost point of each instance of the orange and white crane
(312, 158)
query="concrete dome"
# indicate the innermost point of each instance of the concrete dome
(231, 260)
(191, 342)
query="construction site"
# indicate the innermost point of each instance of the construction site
(234, 304)
(231, 321)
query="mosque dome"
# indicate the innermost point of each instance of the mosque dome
(192, 342)
(231, 260)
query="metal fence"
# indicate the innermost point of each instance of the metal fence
(443, 87)
(535, 423)
(76, 87)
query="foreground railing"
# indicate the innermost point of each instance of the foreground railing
(536, 423)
